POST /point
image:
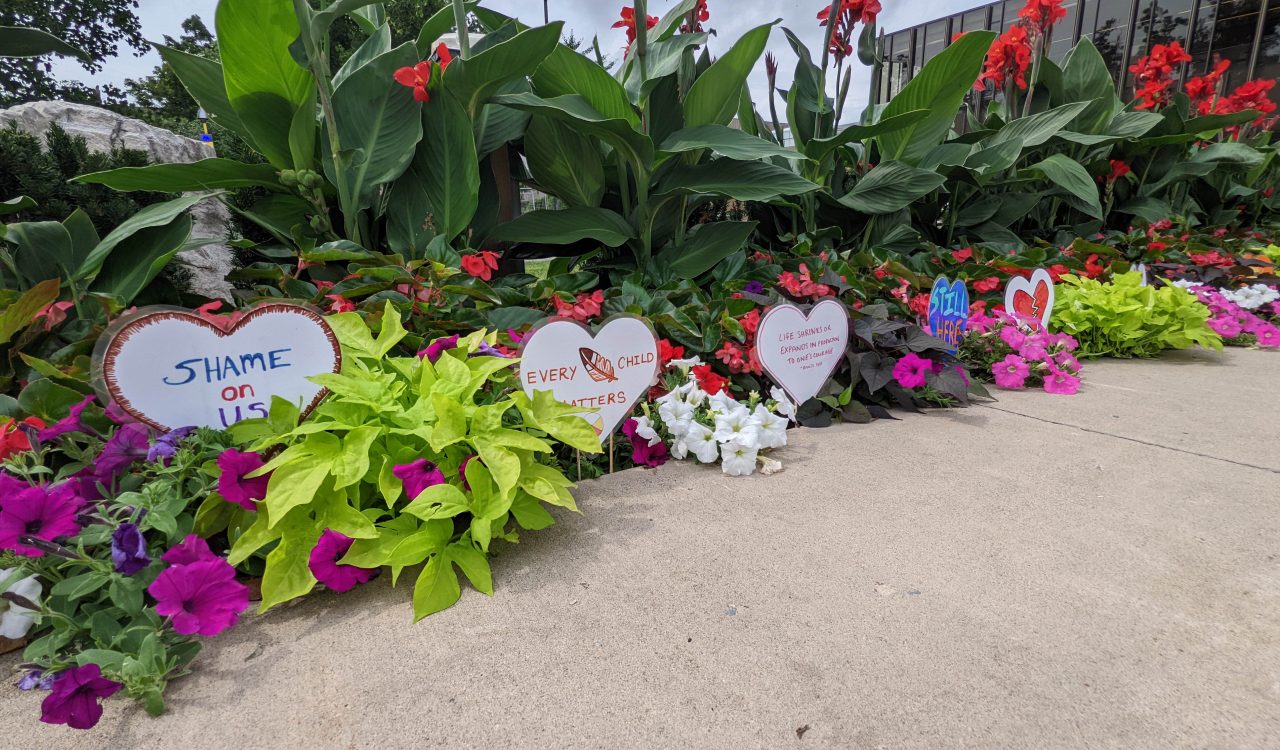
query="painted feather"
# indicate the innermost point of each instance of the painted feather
(597, 365)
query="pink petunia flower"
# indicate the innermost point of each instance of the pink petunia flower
(1011, 372)
(1012, 337)
(40, 512)
(418, 476)
(910, 371)
(192, 549)
(234, 484)
(202, 597)
(1061, 382)
(325, 567)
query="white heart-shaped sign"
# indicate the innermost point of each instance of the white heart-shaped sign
(171, 368)
(1030, 300)
(609, 371)
(801, 351)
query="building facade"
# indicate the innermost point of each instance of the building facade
(1246, 32)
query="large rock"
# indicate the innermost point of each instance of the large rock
(104, 130)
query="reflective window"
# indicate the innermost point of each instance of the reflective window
(935, 40)
(1064, 32)
(1011, 8)
(1233, 36)
(974, 20)
(1202, 36)
(1111, 34)
(899, 53)
(1269, 51)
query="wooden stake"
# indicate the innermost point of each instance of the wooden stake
(579, 465)
(611, 453)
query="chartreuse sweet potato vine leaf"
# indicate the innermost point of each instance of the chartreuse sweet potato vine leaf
(1123, 318)
(336, 470)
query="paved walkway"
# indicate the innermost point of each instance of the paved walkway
(1096, 571)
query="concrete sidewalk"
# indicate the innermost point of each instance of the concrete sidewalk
(1091, 571)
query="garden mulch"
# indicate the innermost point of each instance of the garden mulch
(1047, 571)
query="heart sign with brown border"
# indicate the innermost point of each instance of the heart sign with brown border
(172, 368)
(608, 370)
(801, 351)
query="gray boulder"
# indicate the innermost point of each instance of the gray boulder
(104, 130)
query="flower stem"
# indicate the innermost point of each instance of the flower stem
(460, 20)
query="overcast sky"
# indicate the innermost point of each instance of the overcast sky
(587, 18)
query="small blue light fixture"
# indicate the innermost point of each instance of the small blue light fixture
(203, 117)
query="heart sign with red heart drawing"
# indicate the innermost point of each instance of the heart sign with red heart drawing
(172, 368)
(1030, 300)
(607, 371)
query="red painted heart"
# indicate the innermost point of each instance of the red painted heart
(1031, 301)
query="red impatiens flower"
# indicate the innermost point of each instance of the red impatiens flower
(989, 284)
(628, 22)
(667, 352)
(962, 255)
(1041, 15)
(419, 76)
(1007, 60)
(1153, 74)
(802, 284)
(481, 265)
(583, 308)
(13, 439)
(709, 381)
(340, 304)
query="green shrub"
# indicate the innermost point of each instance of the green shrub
(1122, 318)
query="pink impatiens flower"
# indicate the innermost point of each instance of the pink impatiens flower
(1061, 382)
(1011, 372)
(910, 371)
(325, 567)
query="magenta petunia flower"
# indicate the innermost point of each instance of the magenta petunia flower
(74, 698)
(1067, 361)
(1034, 348)
(1060, 382)
(462, 472)
(1013, 337)
(324, 563)
(192, 549)
(1226, 327)
(10, 485)
(203, 597)
(127, 445)
(910, 371)
(1268, 335)
(643, 454)
(234, 485)
(437, 348)
(68, 424)
(1011, 372)
(42, 512)
(418, 476)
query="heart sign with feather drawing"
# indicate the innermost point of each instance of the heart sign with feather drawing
(609, 370)
(1031, 300)
(172, 368)
(801, 351)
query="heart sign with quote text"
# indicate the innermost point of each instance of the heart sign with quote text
(171, 368)
(949, 311)
(801, 351)
(1030, 300)
(608, 371)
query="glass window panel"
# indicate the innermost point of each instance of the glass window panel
(1202, 36)
(1011, 8)
(1111, 34)
(935, 39)
(1233, 36)
(1065, 30)
(917, 59)
(1138, 43)
(1269, 51)
(974, 20)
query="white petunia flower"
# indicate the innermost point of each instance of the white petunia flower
(691, 394)
(687, 362)
(702, 443)
(738, 460)
(722, 403)
(1186, 284)
(16, 621)
(679, 449)
(644, 428)
(738, 425)
(680, 427)
(773, 428)
(674, 411)
(785, 407)
(769, 466)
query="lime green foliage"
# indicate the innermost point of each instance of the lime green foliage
(336, 468)
(1125, 319)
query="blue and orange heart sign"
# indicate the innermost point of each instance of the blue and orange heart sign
(949, 311)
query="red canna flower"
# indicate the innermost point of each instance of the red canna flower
(848, 15)
(1041, 15)
(1154, 74)
(628, 22)
(1203, 90)
(1118, 169)
(419, 76)
(1007, 60)
(481, 265)
(700, 15)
